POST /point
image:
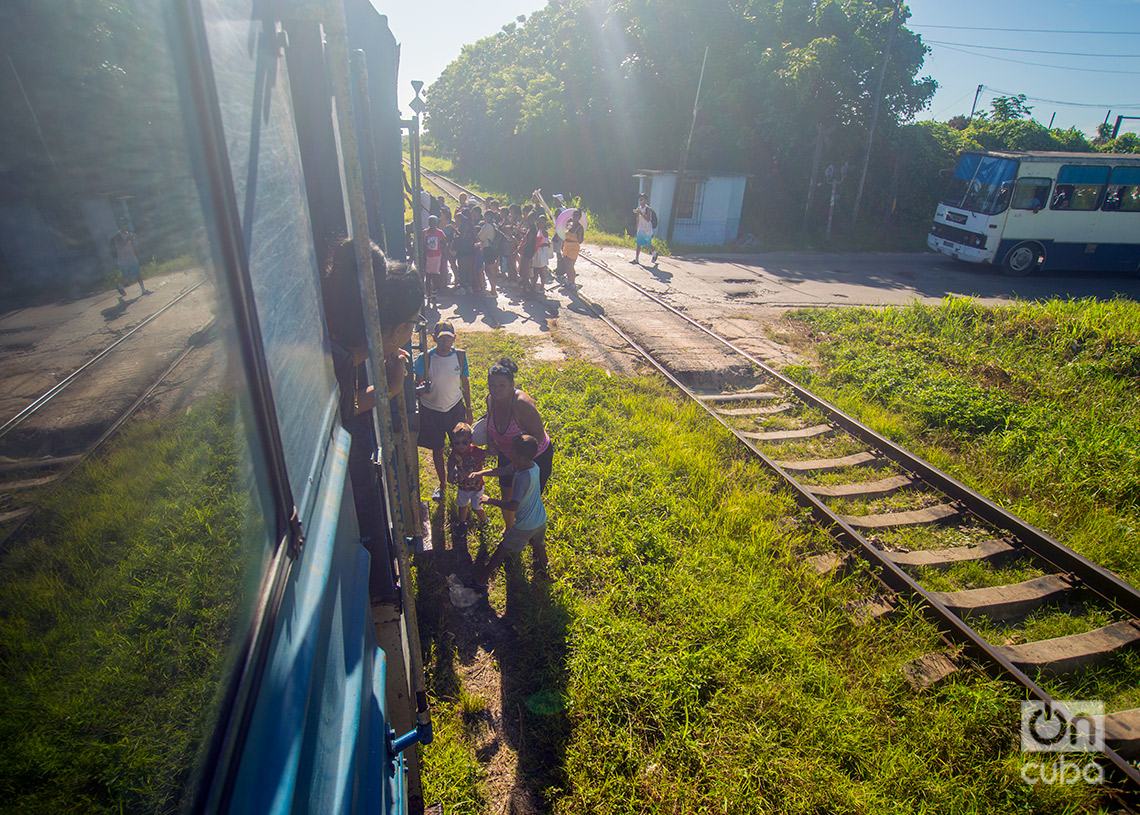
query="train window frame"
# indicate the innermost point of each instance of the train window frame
(206, 140)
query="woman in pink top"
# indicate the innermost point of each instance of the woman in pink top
(511, 412)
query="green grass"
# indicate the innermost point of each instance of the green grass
(116, 606)
(698, 664)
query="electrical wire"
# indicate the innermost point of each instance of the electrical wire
(1033, 50)
(1023, 30)
(1114, 106)
(1039, 64)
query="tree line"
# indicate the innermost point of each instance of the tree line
(583, 93)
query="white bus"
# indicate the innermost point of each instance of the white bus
(1030, 211)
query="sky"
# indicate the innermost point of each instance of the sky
(1068, 76)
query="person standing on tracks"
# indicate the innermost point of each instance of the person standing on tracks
(571, 245)
(444, 388)
(450, 261)
(490, 240)
(646, 223)
(511, 412)
(124, 248)
(540, 254)
(435, 242)
(465, 239)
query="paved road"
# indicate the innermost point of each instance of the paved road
(824, 279)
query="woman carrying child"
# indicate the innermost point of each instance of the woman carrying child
(511, 412)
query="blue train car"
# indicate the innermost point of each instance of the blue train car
(204, 572)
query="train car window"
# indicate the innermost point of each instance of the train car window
(1123, 194)
(136, 527)
(253, 94)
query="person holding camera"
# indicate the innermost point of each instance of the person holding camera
(444, 391)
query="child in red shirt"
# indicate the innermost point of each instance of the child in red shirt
(463, 460)
(435, 240)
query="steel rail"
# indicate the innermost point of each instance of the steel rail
(889, 573)
(73, 462)
(56, 389)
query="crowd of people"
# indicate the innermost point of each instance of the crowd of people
(480, 249)
(511, 429)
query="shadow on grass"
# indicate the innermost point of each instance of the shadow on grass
(527, 643)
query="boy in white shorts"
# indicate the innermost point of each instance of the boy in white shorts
(464, 462)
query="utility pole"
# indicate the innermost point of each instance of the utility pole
(685, 153)
(974, 106)
(875, 111)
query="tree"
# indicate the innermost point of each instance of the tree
(584, 92)
(1010, 108)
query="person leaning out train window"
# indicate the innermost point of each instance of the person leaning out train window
(400, 294)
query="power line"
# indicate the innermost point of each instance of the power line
(1033, 50)
(1039, 64)
(1115, 106)
(945, 108)
(1023, 30)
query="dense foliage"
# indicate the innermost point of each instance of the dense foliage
(583, 93)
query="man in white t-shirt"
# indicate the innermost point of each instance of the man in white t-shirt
(446, 399)
(646, 223)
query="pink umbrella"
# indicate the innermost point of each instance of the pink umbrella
(562, 221)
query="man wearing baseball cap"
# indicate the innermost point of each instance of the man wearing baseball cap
(445, 397)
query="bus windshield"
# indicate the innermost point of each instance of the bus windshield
(981, 183)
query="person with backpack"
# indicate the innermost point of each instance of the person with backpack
(646, 223)
(445, 397)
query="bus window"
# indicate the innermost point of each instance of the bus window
(1123, 190)
(1031, 193)
(1079, 187)
(978, 182)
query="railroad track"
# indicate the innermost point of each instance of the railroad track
(36, 459)
(877, 501)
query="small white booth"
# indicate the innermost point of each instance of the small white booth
(708, 208)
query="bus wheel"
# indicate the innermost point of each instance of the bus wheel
(1022, 260)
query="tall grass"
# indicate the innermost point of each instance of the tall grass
(115, 611)
(700, 666)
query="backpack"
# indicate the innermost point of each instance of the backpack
(653, 217)
(459, 352)
(498, 244)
